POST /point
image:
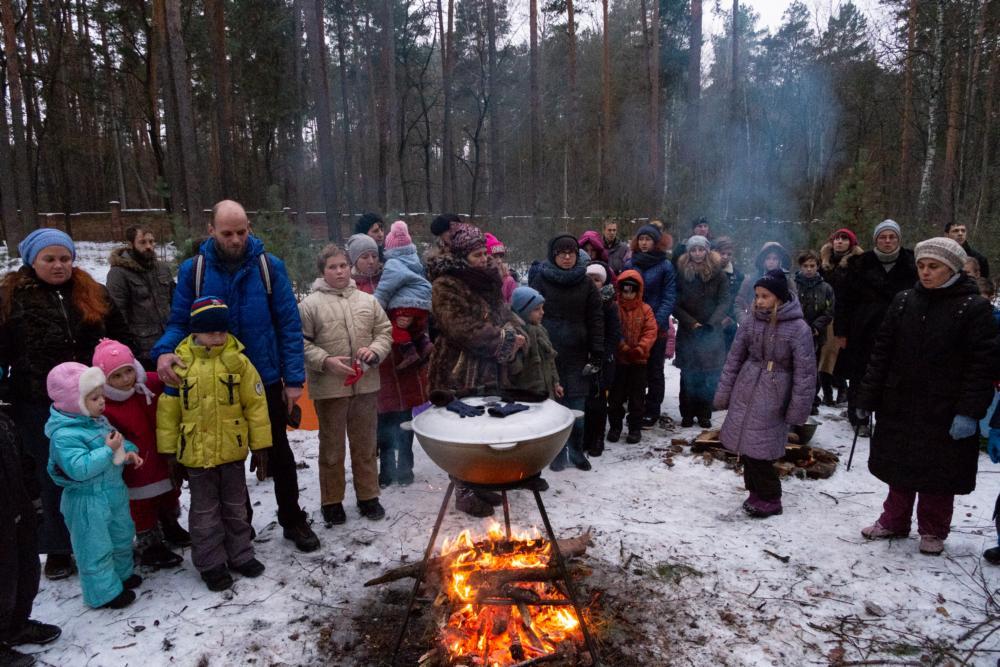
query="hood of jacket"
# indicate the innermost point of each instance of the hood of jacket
(406, 254)
(594, 239)
(826, 256)
(122, 258)
(320, 285)
(630, 274)
(767, 249)
(790, 310)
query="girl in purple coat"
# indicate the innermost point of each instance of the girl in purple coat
(767, 384)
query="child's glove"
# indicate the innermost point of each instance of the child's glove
(258, 462)
(358, 369)
(464, 410)
(507, 409)
(993, 445)
(962, 427)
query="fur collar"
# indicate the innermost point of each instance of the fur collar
(708, 269)
(826, 256)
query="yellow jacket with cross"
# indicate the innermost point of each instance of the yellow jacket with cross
(218, 413)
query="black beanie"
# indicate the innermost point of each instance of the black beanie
(775, 282)
(699, 221)
(562, 242)
(366, 221)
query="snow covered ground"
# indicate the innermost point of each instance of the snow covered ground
(699, 582)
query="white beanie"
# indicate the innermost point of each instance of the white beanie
(597, 270)
(945, 250)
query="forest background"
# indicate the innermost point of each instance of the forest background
(528, 116)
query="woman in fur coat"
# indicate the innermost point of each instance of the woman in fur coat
(833, 258)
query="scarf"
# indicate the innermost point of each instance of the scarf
(554, 274)
(645, 260)
(888, 259)
(951, 281)
(122, 395)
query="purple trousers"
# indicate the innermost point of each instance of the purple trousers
(933, 512)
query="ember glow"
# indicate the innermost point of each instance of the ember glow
(493, 587)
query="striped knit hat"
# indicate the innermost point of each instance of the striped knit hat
(943, 249)
(209, 313)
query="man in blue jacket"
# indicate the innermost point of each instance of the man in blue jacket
(266, 321)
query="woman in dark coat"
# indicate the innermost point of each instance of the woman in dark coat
(574, 318)
(477, 332)
(702, 302)
(50, 312)
(873, 279)
(834, 257)
(929, 381)
(650, 259)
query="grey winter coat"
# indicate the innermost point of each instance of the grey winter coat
(143, 293)
(768, 383)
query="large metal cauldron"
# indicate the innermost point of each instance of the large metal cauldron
(491, 450)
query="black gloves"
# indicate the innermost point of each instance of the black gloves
(258, 462)
(464, 410)
(507, 409)
(440, 398)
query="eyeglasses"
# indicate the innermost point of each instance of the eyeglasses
(566, 253)
(628, 288)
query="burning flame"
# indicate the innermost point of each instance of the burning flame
(494, 586)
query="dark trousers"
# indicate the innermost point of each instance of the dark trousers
(53, 537)
(595, 416)
(697, 391)
(21, 569)
(629, 386)
(281, 461)
(217, 521)
(575, 442)
(655, 384)
(933, 512)
(760, 477)
(395, 447)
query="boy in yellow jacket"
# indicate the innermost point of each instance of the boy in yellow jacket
(207, 425)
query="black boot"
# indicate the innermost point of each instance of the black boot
(634, 435)
(12, 658)
(303, 536)
(34, 632)
(133, 582)
(252, 568)
(826, 382)
(334, 514)
(579, 459)
(174, 533)
(992, 556)
(614, 432)
(218, 578)
(371, 509)
(124, 599)
(59, 566)
(154, 553)
(467, 501)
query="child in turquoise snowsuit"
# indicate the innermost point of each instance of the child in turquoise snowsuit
(86, 456)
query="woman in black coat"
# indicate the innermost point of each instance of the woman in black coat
(574, 319)
(872, 280)
(50, 312)
(929, 381)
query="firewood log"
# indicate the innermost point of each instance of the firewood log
(569, 547)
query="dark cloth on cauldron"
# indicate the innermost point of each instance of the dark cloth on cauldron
(934, 357)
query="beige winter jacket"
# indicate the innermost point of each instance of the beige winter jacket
(339, 322)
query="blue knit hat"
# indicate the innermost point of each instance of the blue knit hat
(42, 238)
(525, 299)
(209, 313)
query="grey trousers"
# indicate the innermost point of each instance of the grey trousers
(220, 532)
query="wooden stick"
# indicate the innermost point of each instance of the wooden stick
(569, 547)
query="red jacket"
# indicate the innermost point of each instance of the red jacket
(638, 324)
(137, 422)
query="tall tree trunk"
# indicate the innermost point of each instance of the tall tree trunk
(22, 160)
(112, 89)
(605, 130)
(8, 184)
(655, 124)
(952, 141)
(351, 184)
(985, 181)
(319, 84)
(295, 168)
(906, 141)
(493, 109)
(181, 87)
(535, 110)
(572, 107)
(215, 19)
(692, 130)
(933, 113)
(447, 164)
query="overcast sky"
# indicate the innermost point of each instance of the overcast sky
(770, 11)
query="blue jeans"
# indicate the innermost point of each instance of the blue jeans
(395, 447)
(574, 447)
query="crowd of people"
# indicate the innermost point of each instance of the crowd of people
(119, 395)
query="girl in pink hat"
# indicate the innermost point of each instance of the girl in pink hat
(130, 397)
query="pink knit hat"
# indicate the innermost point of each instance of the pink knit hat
(69, 383)
(398, 236)
(494, 246)
(110, 355)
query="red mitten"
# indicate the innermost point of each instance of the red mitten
(353, 378)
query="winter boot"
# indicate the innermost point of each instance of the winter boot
(302, 535)
(759, 508)
(334, 514)
(931, 545)
(614, 433)
(536, 483)
(12, 658)
(687, 422)
(705, 422)
(826, 382)
(252, 568)
(385, 479)
(649, 422)
(877, 531)
(404, 478)
(579, 459)
(59, 566)
(124, 599)
(559, 463)
(992, 555)
(174, 533)
(153, 552)
(491, 497)
(34, 632)
(132, 582)
(467, 501)
(218, 578)
(410, 356)
(371, 509)
(841, 396)
(634, 435)
(864, 431)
